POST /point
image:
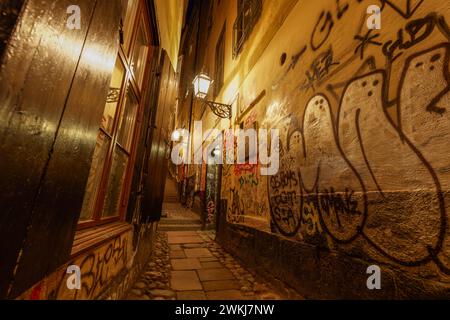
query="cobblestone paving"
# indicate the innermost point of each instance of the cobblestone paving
(190, 265)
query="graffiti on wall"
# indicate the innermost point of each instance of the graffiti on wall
(235, 213)
(364, 161)
(249, 185)
(365, 137)
(243, 181)
(98, 269)
(211, 194)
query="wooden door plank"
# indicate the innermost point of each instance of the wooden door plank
(35, 76)
(58, 206)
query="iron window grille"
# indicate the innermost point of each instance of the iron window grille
(249, 12)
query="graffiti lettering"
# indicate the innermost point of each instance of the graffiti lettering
(319, 69)
(365, 41)
(97, 269)
(322, 30)
(406, 9)
(251, 180)
(414, 33)
(245, 168)
(236, 210)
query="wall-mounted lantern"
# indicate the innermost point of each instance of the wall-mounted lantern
(176, 136)
(202, 83)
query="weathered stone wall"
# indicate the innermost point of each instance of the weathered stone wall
(318, 273)
(365, 136)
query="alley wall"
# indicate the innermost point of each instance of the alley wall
(365, 136)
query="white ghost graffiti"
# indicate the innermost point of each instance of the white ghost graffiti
(395, 175)
(330, 184)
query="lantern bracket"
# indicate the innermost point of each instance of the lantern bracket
(202, 84)
(219, 109)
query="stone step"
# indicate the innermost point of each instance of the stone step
(179, 221)
(171, 196)
(179, 227)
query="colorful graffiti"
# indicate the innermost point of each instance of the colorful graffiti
(243, 181)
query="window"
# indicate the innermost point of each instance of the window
(210, 19)
(219, 62)
(140, 51)
(249, 12)
(130, 17)
(104, 199)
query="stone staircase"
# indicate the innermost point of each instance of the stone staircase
(175, 217)
(168, 224)
(171, 198)
(171, 191)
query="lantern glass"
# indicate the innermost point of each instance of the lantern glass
(201, 85)
(176, 136)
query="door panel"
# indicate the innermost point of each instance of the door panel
(57, 83)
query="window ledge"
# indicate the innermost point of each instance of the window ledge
(90, 238)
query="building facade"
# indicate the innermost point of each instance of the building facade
(358, 91)
(360, 96)
(88, 99)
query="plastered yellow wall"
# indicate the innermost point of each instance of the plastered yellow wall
(364, 123)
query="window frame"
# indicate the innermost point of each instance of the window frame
(242, 28)
(219, 61)
(129, 82)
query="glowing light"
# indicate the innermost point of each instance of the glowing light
(176, 136)
(217, 152)
(201, 84)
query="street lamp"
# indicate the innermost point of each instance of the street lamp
(202, 83)
(176, 135)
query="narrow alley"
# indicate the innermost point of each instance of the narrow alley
(218, 150)
(190, 265)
